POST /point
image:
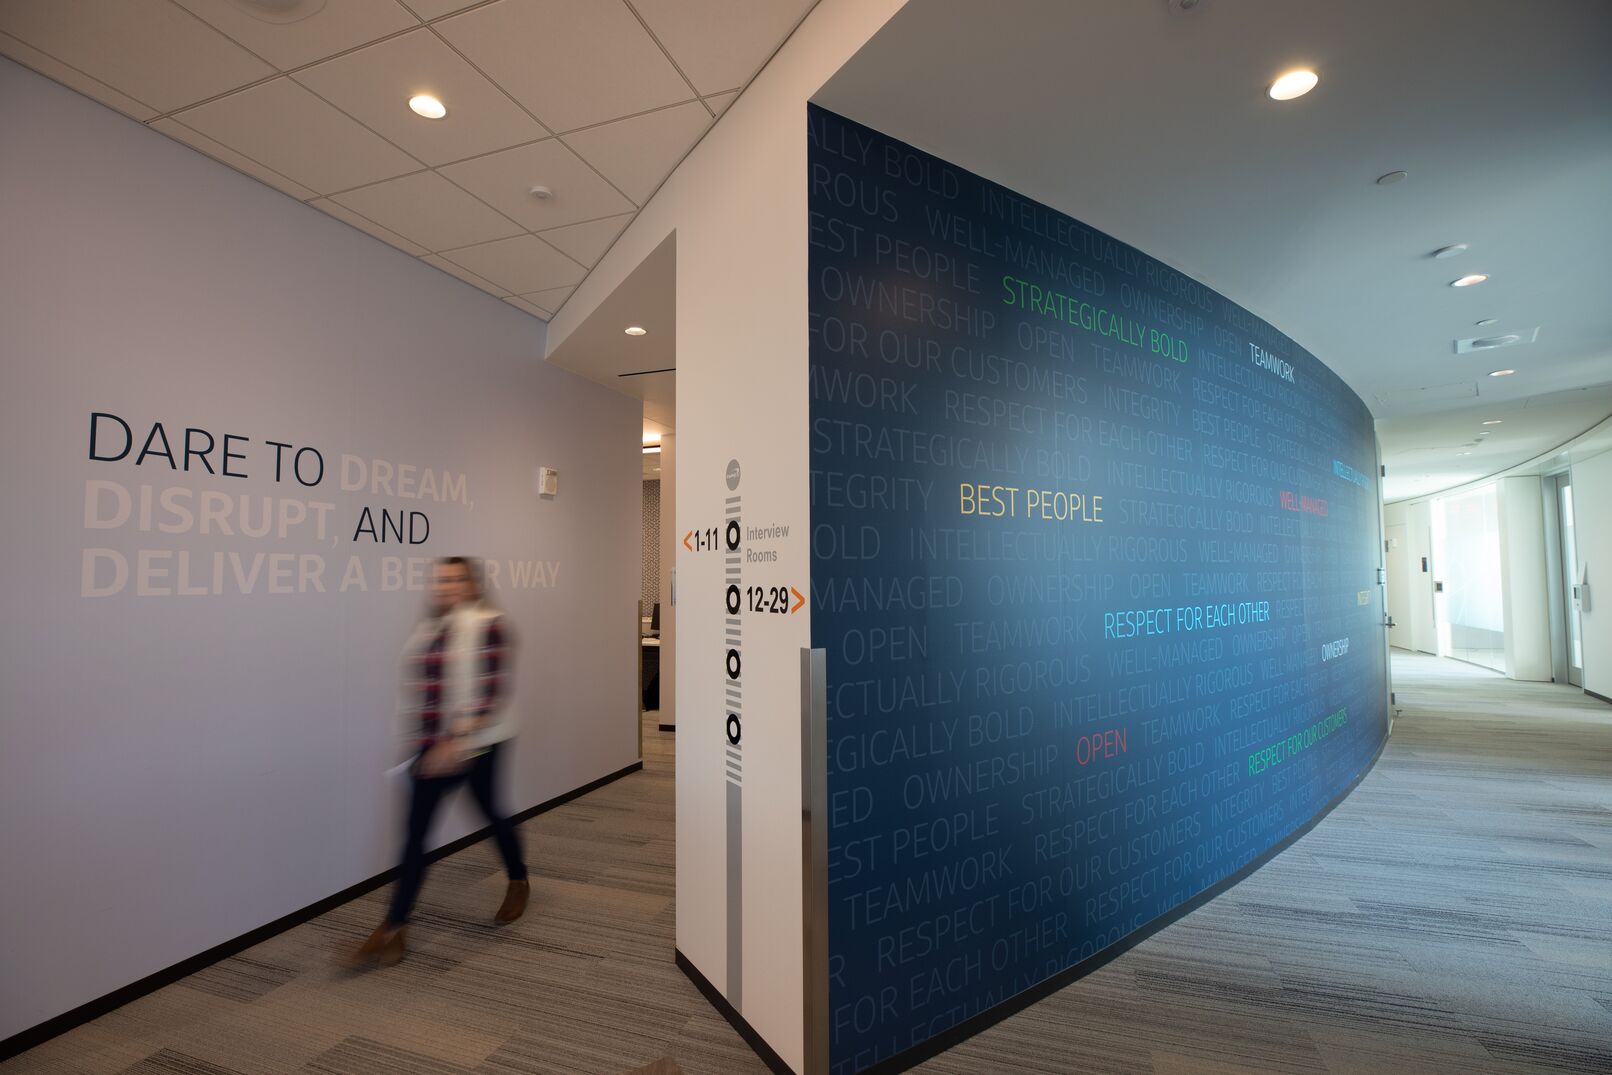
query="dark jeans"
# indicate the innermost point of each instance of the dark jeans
(427, 794)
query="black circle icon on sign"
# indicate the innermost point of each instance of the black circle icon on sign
(733, 728)
(733, 534)
(733, 600)
(733, 664)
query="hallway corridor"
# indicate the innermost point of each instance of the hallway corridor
(1453, 915)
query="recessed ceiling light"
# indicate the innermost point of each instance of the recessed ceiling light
(1484, 432)
(1463, 453)
(1454, 250)
(1293, 84)
(428, 106)
(635, 330)
(1502, 373)
(1390, 177)
(1486, 343)
(1470, 279)
(1493, 421)
(1486, 322)
(541, 193)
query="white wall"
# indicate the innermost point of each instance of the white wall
(1524, 601)
(176, 770)
(1592, 522)
(738, 206)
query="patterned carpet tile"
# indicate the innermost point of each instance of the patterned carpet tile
(1451, 917)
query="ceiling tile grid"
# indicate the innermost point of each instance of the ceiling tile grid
(131, 45)
(225, 155)
(573, 63)
(464, 274)
(347, 216)
(272, 30)
(74, 79)
(373, 83)
(637, 153)
(596, 100)
(427, 209)
(519, 265)
(588, 241)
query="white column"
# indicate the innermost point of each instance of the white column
(669, 540)
(1592, 525)
(1523, 597)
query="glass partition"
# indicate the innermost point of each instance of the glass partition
(1466, 561)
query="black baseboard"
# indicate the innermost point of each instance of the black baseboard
(731, 1014)
(50, 1028)
(968, 1028)
(668, 727)
(1599, 697)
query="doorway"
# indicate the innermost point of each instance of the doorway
(629, 343)
(1467, 600)
(1398, 565)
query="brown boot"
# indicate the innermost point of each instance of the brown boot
(514, 904)
(383, 948)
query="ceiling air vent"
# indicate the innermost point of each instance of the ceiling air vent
(1474, 344)
(281, 11)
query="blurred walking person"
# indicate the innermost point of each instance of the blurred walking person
(456, 680)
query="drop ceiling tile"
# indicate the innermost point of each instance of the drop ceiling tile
(52, 68)
(719, 102)
(283, 126)
(720, 44)
(435, 9)
(530, 307)
(135, 47)
(429, 210)
(505, 180)
(369, 227)
(550, 299)
(225, 155)
(636, 154)
(290, 34)
(588, 242)
(374, 84)
(468, 277)
(571, 63)
(522, 265)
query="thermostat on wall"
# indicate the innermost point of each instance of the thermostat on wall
(548, 481)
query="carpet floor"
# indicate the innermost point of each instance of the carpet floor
(1453, 915)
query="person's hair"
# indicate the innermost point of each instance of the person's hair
(472, 572)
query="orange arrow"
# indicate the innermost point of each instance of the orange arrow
(686, 545)
(800, 599)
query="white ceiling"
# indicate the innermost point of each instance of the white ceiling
(1151, 126)
(596, 99)
(637, 365)
(1155, 128)
(1451, 448)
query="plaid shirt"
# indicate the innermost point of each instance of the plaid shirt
(429, 667)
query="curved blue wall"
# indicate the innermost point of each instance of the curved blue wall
(1094, 561)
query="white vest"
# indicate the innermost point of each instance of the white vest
(461, 689)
